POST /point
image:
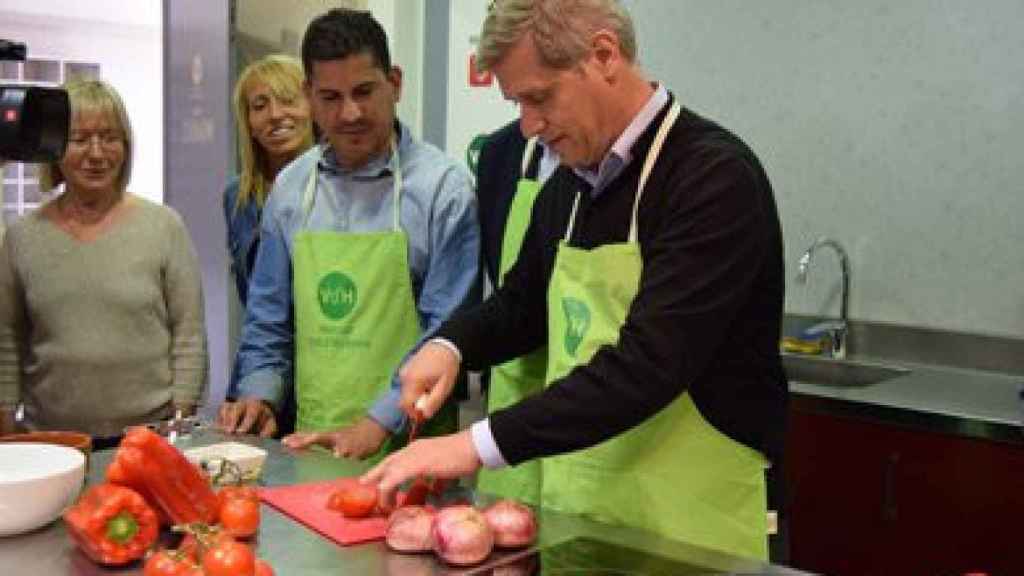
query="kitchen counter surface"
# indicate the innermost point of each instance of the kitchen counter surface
(293, 549)
(970, 403)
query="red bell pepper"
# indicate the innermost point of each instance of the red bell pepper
(125, 470)
(112, 524)
(172, 482)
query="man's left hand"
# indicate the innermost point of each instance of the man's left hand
(360, 440)
(449, 456)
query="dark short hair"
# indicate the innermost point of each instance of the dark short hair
(341, 33)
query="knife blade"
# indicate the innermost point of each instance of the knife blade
(417, 418)
(420, 487)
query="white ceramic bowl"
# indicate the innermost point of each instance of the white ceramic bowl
(37, 481)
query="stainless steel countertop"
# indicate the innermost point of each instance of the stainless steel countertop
(292, 549)
(970, 403)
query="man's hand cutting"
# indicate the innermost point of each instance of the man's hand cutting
(448, 457)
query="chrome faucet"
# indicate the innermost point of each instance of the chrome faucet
(836, 329)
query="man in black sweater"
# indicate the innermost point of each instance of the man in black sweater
(653, 270)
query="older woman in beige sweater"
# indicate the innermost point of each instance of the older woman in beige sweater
(101, 312)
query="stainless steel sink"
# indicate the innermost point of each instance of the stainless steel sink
(840, 373)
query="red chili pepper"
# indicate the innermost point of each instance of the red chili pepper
(174, 484)
(112, 524)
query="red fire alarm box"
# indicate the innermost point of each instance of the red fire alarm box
(476, 77)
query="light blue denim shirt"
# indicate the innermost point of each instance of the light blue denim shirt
(438, 215)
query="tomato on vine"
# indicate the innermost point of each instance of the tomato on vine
(229, 558)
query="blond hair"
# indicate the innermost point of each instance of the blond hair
(283, 74)
(561, 29)
(89, 95)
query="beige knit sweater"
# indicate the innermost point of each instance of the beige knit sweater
(98, 335)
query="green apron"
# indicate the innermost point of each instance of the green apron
(516, 379)
(673, 474)
(355, 317)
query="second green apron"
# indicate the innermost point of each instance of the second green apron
(355, 316)
(674, 474)
(516, 379)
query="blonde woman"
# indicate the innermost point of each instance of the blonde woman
(101, 310)
(274, 127)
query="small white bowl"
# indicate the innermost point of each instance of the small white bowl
(37, 481)
(211, 458)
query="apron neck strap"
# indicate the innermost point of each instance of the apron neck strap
(572, 217)
(649, 160)
(531, 144)
(396, 179)
(309, 194)
(652, 157)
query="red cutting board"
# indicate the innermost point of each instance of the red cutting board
(307, 504)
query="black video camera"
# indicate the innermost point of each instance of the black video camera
(33, 119)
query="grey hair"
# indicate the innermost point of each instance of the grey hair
(561, 29)
(88, 95)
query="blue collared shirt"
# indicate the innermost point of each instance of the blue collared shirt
(614, 162)
(438, 215)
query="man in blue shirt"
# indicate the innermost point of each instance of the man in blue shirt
(369, 241)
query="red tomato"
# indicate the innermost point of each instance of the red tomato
(240, 517)
(229, 558)
(353, 500)
(168, 563)
(417, 494)
(263, 568)
(208, 537)
(237, 492)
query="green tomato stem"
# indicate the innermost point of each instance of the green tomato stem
(122, 528)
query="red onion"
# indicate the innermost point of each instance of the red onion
(461, 535)
(513, 524)
(409, 529)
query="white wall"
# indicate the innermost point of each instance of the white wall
(892, 126)
(471, 110)
(283, 23)
(895, 127)
(125, 38)
(403, 22)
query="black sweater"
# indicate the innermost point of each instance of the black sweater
(706, 318)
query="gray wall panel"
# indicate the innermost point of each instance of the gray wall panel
(198, 144)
